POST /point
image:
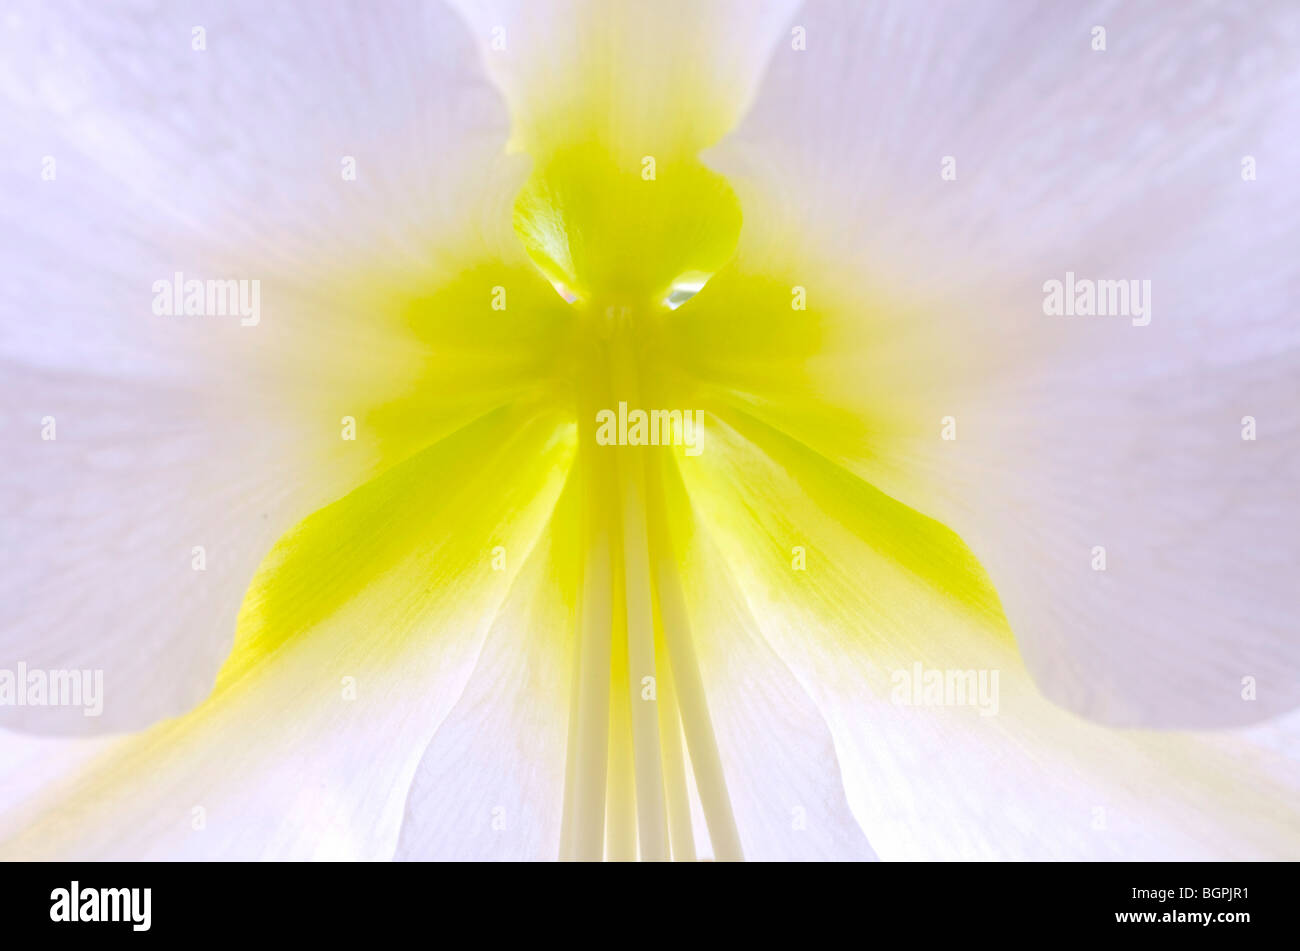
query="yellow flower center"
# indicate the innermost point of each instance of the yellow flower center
(626, 231)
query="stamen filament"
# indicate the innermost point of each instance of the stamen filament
(650, 808)
(637, 691)
(620, 802)
(583, 832)
(680, 834)
(697, 725)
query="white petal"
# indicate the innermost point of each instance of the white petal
(1071, 433)
(175, 433)
(997, 773)
(782, 769)
(490, 786)
(357, 640)
(664, 78)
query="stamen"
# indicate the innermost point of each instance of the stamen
(637, 692)
(697, 726)
(583, 832)
(642, 687)
(620, 802)
(680, 834)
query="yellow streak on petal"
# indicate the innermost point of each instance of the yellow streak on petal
(392, 584)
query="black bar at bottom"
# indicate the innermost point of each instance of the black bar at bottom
(454, 903)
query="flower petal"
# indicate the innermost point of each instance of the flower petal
(355, 640)
(996, 772)
(490, 786)
(141, 446)
(925, 298)
(781, 764)
(663, 79)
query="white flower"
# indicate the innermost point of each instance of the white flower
(476, 634)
